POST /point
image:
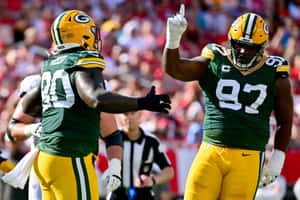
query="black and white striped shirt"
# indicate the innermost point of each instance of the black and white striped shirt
(139, 156)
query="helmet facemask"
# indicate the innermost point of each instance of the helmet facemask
(244, 60)
(98, 42)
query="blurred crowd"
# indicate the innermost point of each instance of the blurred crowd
(133, 37)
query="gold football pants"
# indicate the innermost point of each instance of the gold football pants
(225, 173)
(66, 178)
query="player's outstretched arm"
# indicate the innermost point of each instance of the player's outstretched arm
(284, 118)
(180, 68)
(90, 87)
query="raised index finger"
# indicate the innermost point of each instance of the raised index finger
(182, 10)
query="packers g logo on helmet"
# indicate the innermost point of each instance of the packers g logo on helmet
(73, 29)
(248, 29)
(82, 18)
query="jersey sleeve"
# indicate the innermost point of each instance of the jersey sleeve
(283, 68)
(91, 61)
(208, 52)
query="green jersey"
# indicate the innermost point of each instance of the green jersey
(69, 126)
(238, 104)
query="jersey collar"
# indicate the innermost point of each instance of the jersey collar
(259, 64)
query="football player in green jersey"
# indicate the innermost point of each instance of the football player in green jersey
(70, 97)
(23, 126)
(241, 86)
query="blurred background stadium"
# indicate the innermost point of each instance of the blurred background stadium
(133, 37)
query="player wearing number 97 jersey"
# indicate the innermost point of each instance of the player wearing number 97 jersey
(241, 86)
(70, 97)
(239, 103)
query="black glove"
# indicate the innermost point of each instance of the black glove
(153, 102)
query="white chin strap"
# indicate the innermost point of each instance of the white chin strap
(62, 47)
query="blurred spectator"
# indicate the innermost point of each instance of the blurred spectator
(214, 15)
(284, 38)
(294, 10)
(130, 36)
(295, 73)
(6, 34)
(195, 114)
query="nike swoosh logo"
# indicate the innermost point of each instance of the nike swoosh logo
(246, 154)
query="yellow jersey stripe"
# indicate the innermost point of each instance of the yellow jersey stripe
(207, 53)
(207, 56)
(91, 59)
(283, 68)
(91, 64)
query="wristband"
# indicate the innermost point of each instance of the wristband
(10, 126)
(277, 160)
(28, 130)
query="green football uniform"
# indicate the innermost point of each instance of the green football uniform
(239, 104)
(69, 126)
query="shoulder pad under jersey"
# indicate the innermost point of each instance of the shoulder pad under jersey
(90, 59)
(281, 64)
(210, 51)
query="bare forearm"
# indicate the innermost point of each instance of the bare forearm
(17, 132)
(170, 61)
(164, 176)
(90, 87)
(283, 134)
(114, 151)
(115, 103)
(22, 119)
(282, 139)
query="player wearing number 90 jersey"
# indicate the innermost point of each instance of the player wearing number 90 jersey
(71, 96)
(64, 113)
(241, 87)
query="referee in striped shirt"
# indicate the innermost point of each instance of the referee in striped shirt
(140, 151)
